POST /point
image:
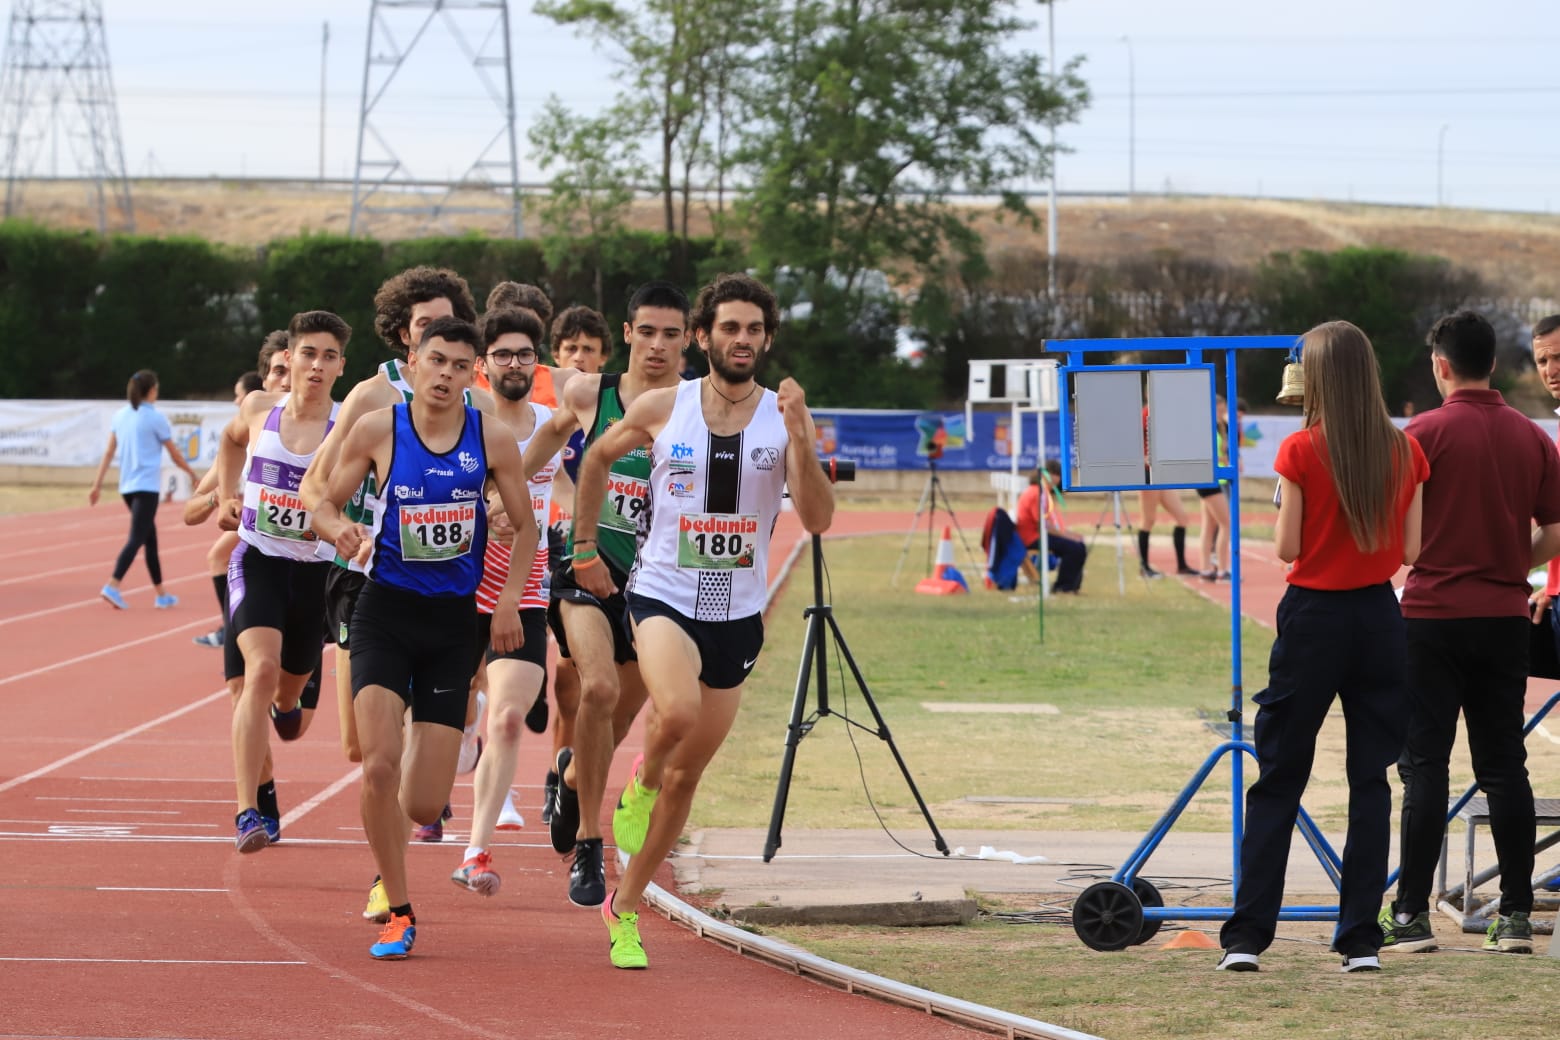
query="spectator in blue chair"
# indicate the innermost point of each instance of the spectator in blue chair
(1040, 501)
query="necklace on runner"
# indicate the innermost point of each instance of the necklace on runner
(732, 400)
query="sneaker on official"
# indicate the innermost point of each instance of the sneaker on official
(1415, 936)
(549, 792)
(478, 875)
(213, 638)
(1236, 960)
(509, 818)
(251, 836)
(631, 819)
(1510, 934)
(433, 831)
(588, 874)
(378, 908)
(627, 951)
(395, 939)
(113, 595)
(288, 724)
(1360, 960)
(165, 601)
(565, 823)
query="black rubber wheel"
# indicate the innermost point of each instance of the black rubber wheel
(1107, 916)
(1147, 895)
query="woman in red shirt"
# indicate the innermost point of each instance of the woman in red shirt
(1349, 516)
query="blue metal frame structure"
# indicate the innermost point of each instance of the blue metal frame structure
(1125, 878)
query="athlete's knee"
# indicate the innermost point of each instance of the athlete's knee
(505, 723)
(673, 722)
(598, 693)
(381, 773)
(260, 678)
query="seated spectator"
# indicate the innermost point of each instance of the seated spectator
(1068, 547)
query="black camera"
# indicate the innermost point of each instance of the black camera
(838, 469)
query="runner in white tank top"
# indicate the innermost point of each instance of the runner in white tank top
(723, 449)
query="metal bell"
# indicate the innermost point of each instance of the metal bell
(1293, 390)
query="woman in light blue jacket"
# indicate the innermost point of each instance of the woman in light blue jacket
(139, 435)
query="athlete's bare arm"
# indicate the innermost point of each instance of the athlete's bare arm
(643, 419)
(576, 411)
(369, 395)
(367, 446)
(203, 500)
(811, 492)
(504, 463)
(230, 455)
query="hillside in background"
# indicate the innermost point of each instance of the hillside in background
(1518, 254)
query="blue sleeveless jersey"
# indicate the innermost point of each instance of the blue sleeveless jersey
(430, 536)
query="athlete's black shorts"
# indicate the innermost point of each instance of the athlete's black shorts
(280, 593)
(728, 650)
(533, 624)
(564, 587)
(1208, 492)
(341, 592)
(418, 646)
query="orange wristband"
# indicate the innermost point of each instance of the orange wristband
(589, 561)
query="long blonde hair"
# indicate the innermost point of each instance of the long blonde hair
(1369, 456)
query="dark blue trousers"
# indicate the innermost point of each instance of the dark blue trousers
(1349, 646)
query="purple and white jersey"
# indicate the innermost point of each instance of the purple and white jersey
(274, 520)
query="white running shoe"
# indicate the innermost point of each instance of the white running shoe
(509, 818)
(471, 740)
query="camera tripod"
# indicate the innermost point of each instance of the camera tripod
(821, 626)
(928, 504)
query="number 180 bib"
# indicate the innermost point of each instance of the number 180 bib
(717, 541)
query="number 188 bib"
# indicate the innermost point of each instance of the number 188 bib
(437, 532)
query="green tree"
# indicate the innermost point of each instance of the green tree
(876, 113)
(326, 272)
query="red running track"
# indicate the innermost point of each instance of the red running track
(130, 915)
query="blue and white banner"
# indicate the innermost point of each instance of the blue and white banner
(906, 440)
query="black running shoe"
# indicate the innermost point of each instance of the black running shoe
(565, 823)
(549, 792)
(588, 875)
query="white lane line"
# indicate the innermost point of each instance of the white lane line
(307, 806)
(164, 780)
(162, 554)
(76, 756)
(55, 549)
(95, 601)
(130, 812)
(203, 623)
(149, 960)
(125, 888)
(109, 833)
(136, 800)
(106, 823)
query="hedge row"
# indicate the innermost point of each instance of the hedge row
(79, 313)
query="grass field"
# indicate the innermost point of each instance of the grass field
(1133, 681)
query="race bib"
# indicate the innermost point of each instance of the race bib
(280, 514)
(433, 533)
(625, 501)
(717, 541)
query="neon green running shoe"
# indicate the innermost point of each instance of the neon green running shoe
(378, 908)
(623, 929)
(1414, 937)
(1512, 934)
(631, 818)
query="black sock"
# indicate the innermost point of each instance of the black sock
(219, 582)
(1178, 536)
(1143, 547)
(403, 911)
(265, 800)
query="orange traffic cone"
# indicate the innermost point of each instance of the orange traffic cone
(1191, 939)
(946, 579)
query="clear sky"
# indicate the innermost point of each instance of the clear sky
(1368, 100)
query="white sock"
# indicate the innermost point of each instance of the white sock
(472, 850)
(1402, 918)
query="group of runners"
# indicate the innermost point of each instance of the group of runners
(422, 527)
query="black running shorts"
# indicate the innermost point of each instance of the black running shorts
(417, 646)
(280, 593)
(564, 587)
(728, 650)
(533, 624)
(341, 592)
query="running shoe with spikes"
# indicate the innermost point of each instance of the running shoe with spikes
(549, 792)
(471, 740)
(288, 724)
(434, 831)
(478, 875)
(251, 836)
(509, 818)
(565, 823)
(395, 939)
(588, 874)
(623, 935)
(631, 820)
(378, 908)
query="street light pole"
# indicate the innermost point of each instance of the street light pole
(1131, 121)
(1050, 274)
(1440, 162)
